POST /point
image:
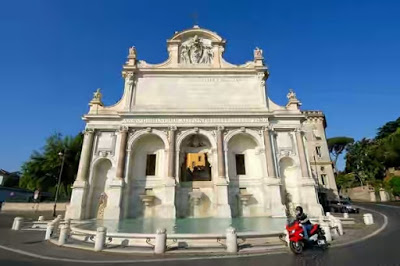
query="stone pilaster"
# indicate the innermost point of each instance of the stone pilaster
(269, 153)
(77, 206)
(220, 152)
(223, 208)
(302, 154)
(171, 153)
(114, 187)
(122, 152)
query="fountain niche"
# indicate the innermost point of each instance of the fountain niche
(195, 193)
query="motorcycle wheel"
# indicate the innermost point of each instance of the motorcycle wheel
(296, 247)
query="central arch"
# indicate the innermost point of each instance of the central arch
(145, 169)
(196, 170)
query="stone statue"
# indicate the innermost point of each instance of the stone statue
(97, 95)
(184, 55)
(102, 205)
(291, 95)
(258, 53)
(132, 52)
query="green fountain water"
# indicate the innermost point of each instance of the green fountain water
(190, 225)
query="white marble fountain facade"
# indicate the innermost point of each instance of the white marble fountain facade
(134, 155)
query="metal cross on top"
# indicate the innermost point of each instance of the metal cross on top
(195, 18)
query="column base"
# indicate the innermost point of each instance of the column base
(223, 208)
(223, 211)
(77, 206)
(309, 198)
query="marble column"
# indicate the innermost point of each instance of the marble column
(269, 153)
(302, 153)
(84, 161)
(77, 206)
(122, 152)
(171, 152)
(220, 152)
(168, 209)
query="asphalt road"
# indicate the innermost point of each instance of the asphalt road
(382, 249)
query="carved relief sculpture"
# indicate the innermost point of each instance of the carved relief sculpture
(196, 51)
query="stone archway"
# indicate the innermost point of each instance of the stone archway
(244, 168)
(101, 171)
(196, 162)
(145, 169)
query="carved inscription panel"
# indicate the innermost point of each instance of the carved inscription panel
(199, 92)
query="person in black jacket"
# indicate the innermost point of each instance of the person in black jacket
(304, 221)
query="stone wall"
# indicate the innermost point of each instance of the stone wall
(31, 207)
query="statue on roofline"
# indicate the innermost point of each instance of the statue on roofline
(291, 95)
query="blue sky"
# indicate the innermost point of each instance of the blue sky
(341, 57)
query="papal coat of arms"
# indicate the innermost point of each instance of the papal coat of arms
(196, 51)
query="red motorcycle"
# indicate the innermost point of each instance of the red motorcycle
(297, 242)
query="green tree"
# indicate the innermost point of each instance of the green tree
(394, 184)
(42, 169)
(336, 147)
(345, 180)
(363, 159)
(388, 128)
(390, 149)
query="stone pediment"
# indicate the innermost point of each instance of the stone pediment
(195, 48)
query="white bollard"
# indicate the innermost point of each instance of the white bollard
(339, 227)
(334, 233)
(100, 238)
(231, 240)
(327, 230)
(368, 218)
(49, 231)
(328, 214)
(68, 223)
(346, 215)
(17, 224)
(41, 218)
(161, 241)
(63, 235)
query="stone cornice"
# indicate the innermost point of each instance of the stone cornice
(321, 163)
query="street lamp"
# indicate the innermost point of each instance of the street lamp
(59, 181)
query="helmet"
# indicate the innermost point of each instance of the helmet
(299, 209)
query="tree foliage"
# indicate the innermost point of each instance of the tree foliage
(337, 145)
(388, 128)
(345, 180)
(43, 168)
(368, 159)
(394, 184)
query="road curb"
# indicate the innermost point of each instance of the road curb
(377, 231)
